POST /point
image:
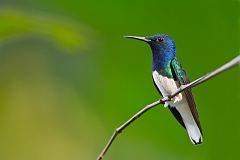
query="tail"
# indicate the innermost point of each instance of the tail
(194, 132)
(184, 116)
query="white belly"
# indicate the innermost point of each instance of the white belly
(167, 86)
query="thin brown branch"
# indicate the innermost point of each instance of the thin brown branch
(232, 63)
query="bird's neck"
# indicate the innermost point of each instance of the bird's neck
(161, 58)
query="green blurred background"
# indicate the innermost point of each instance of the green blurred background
(68, 78)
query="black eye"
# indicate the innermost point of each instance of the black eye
(160, 39)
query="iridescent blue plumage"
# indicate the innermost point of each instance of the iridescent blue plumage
(163, 51)
(168, 75)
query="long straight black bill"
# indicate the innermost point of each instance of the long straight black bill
(138, 38)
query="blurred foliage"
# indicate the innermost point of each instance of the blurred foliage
(56, 105)
(15, 22)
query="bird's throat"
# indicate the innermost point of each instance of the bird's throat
(160, 61)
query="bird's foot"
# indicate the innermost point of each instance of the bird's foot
(177, 98)
(166, 104)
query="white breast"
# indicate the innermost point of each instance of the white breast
(167, 86)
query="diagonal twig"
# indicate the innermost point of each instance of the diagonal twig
(230, 64)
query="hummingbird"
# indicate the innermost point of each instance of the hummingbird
(168, 75)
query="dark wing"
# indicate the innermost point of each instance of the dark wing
(180, 76)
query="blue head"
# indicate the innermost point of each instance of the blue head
(163, 49)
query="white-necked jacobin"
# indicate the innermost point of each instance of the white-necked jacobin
(168, 75)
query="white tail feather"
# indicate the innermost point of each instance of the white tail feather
(192, 128)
